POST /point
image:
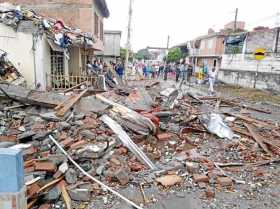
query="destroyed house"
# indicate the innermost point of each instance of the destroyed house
(46, 51)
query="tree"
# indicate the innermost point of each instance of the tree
(143, 54)
(123, 55)
(174, 55)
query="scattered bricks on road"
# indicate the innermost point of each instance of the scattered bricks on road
(45, 166)
(164, 136)
(224, 181)
(200, 178)
(122, 176)
(78, 144)
(192, 167)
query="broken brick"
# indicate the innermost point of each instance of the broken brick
(115, 161)
(121, 151)
(209, 193)
(122, 176)
(45, 154)
(32, 189)
(8, 138)
(164, 136)
(224, 181)
(66, 142)
(29, 169)
(192, 167)
(135, 166)
(200, 178)
(45, 166)
(78, 144)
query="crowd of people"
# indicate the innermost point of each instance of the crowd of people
(181, 72)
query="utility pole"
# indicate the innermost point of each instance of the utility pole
(128, 43)
(235, 19)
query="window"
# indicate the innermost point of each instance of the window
(96, 29)
(215, 63)
(57, 62)
(202, 45)
(210, 43)
(101, 31)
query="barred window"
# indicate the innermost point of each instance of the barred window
(57, 62)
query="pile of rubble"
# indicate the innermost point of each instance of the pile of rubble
(8, 72)
(78, 147)
(57, 32)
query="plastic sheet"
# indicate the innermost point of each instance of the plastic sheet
(214, 123)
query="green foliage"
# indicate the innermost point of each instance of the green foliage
(123, 55)
(174, 55)
(143, 54)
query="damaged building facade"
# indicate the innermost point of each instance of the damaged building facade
(207, 50)
(239, 66)
(45, 61)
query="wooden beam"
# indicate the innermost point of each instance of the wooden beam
(66, 106)
(257, 138)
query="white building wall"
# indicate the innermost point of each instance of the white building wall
(244, 62)
(42, 60)
(244, 70)
(30, 55)
(19, 48)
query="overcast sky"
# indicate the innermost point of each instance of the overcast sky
(183, 20)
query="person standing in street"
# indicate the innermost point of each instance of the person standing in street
(160, 70)
(178, 72)
(183, 70)
(120, 71)
(212, 78)
(166, 70)
(190, 72)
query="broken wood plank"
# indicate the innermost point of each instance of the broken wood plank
(75, 87)
(246, 106)
(65, 195)
(240, 131)
(52, 183)
(66, 106)
(250, 120)
(257, 138)
(266, 162)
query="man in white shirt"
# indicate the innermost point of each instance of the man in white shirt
(212, 78)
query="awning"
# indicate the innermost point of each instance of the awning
(54, 46)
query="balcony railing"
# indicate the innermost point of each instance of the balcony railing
(62, 82)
